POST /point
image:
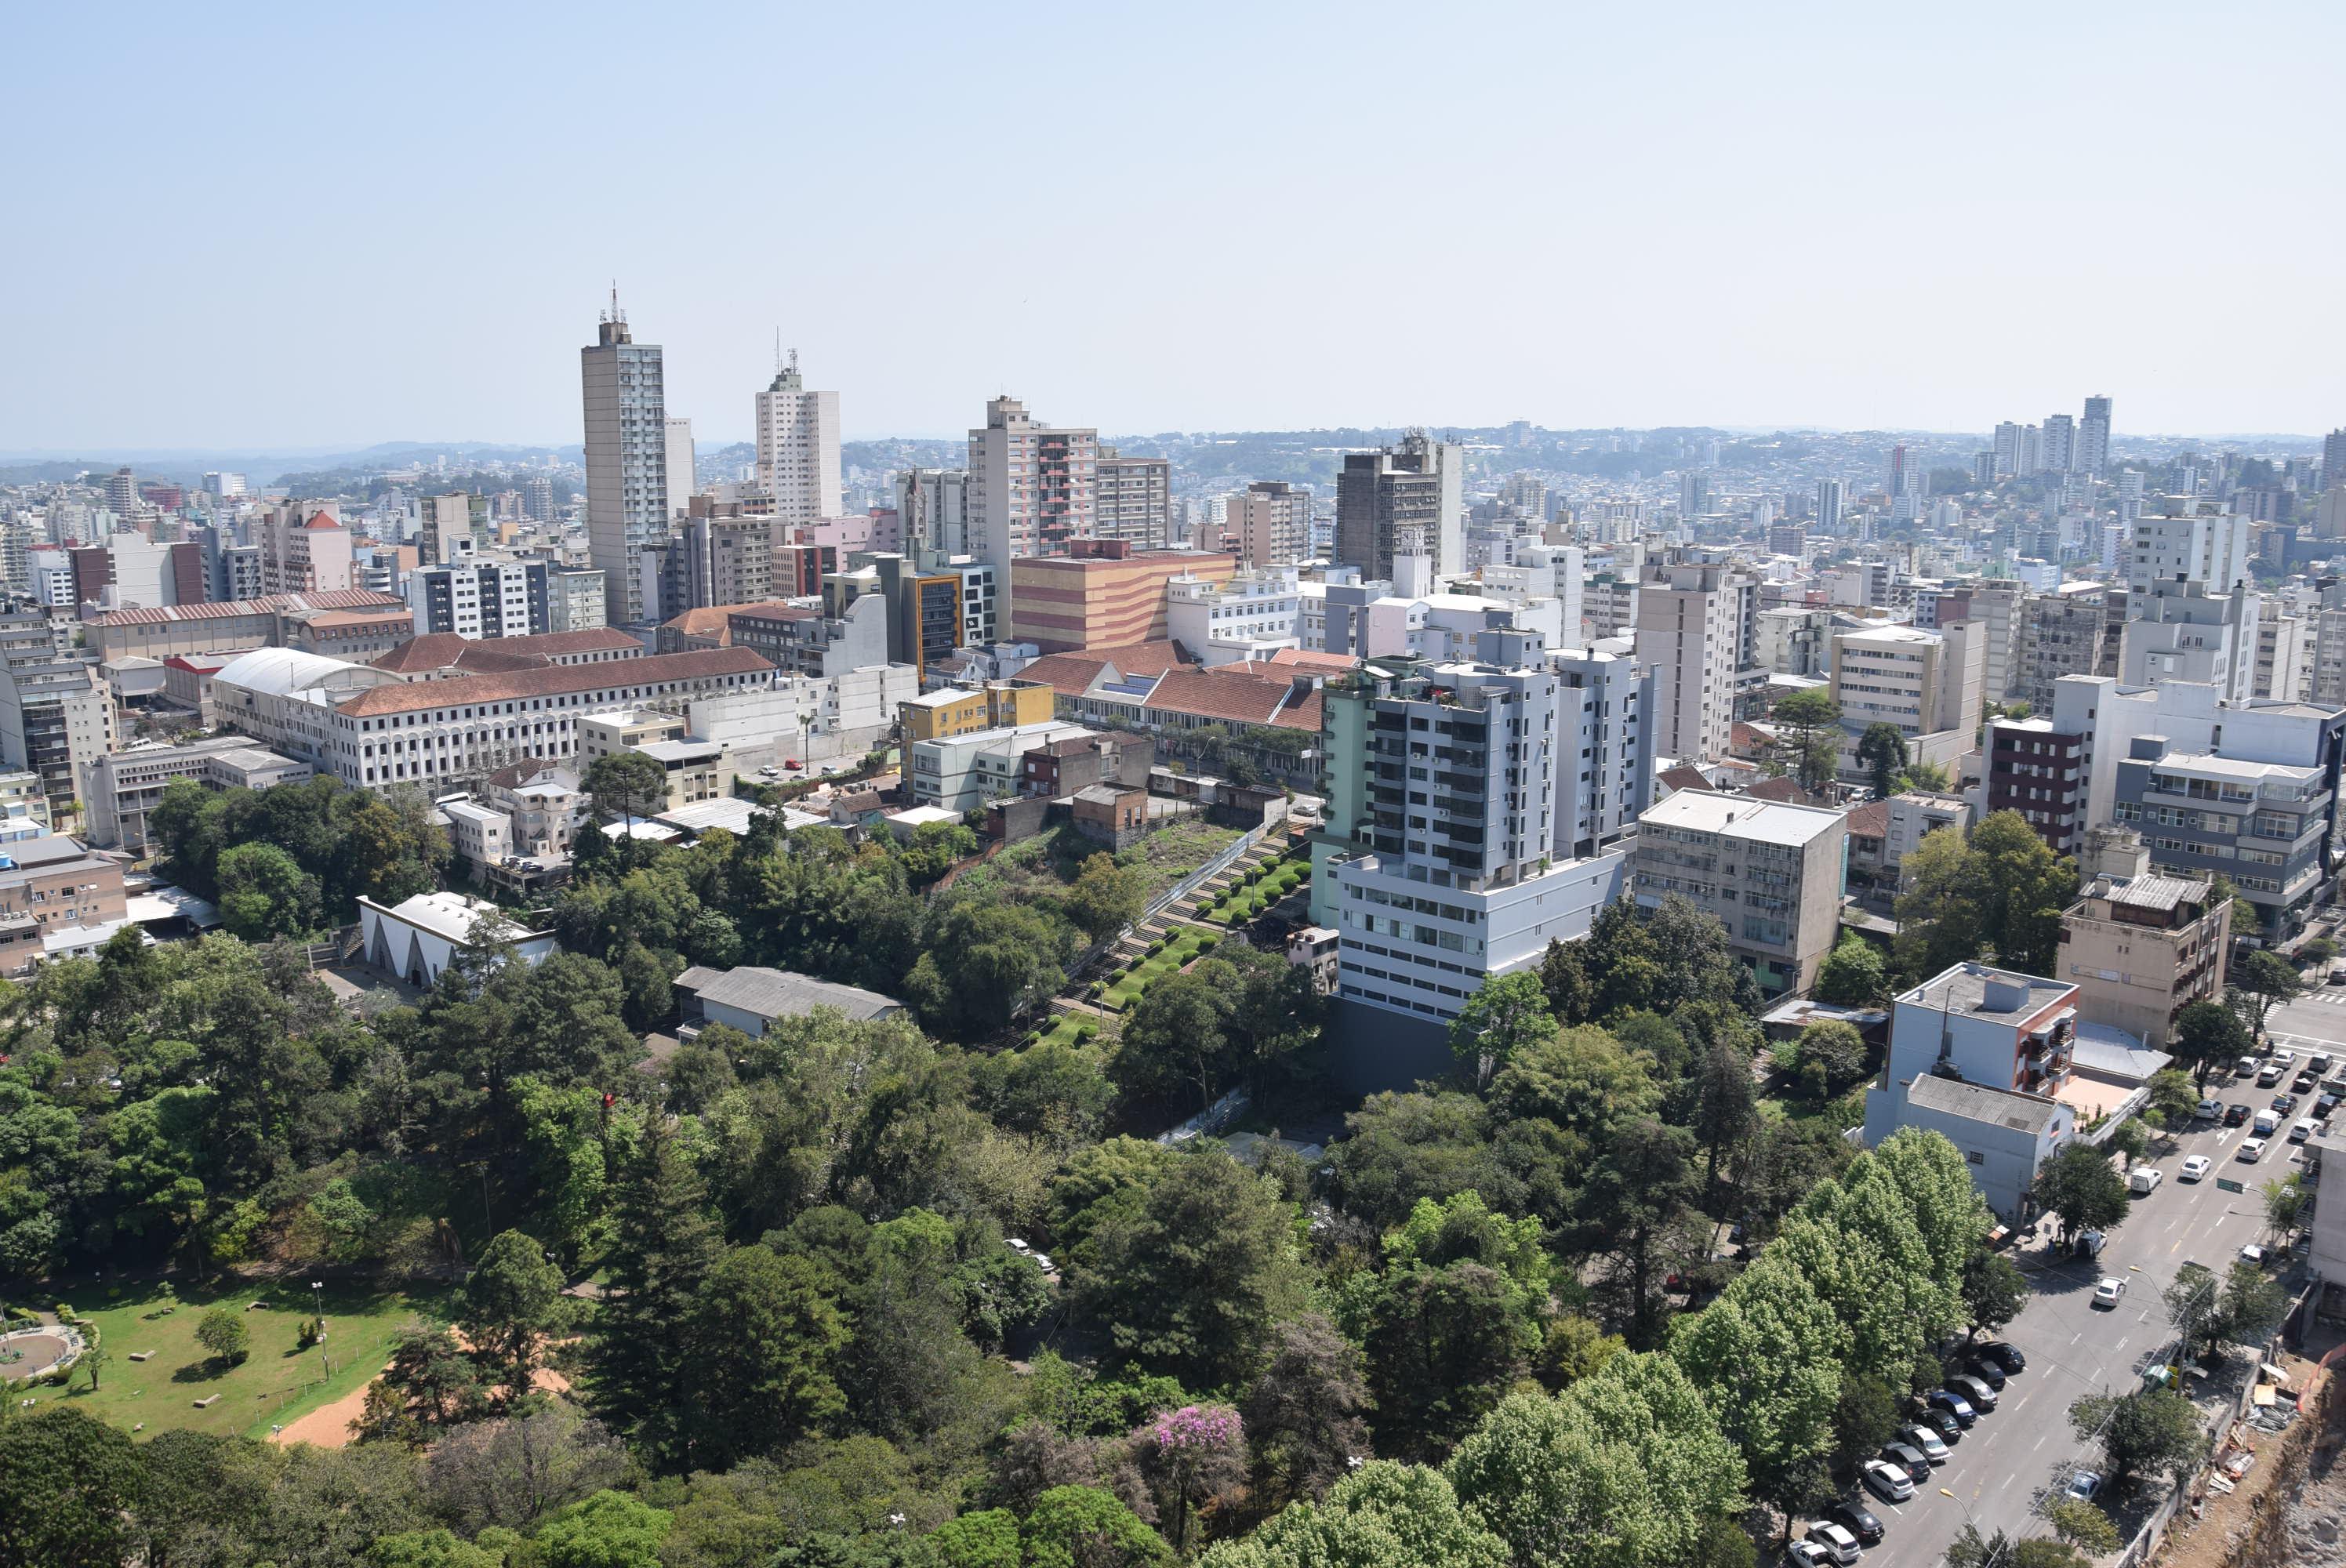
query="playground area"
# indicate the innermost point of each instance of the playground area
(31, 1352)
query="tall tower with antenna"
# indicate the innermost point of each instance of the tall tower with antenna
(798, 445)
(626, 462)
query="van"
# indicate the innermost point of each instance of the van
(2267, 1123)
(2144, 1179)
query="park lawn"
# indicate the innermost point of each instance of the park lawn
(1132, 982)
(274, 1384)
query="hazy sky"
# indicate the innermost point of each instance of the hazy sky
(265, 227)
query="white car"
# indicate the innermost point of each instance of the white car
(2083, 1484)
(2107, 1292)
(1886, 1481)
(2253, 1254)
(2251, 1151)
(1839, 1545)
(2195, 1167)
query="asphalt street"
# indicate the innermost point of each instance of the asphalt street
(2002, 1469)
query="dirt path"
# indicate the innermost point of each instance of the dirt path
(329, 1426)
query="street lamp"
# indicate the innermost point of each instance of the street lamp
(1973, 1525)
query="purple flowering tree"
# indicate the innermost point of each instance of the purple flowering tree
(1192, 1458)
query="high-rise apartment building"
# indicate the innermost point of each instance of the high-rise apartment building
(441, 521)
(1830, 493)
(1465, 831)
(2060, 442)
(476, 598)
(798, 447)
(2094, 438)
(304, 548)
(627, 463)
(1415, 488)
(538, 498)
(1272, 522)
(1134, 500)
(1694, 493)
(1033, 488)
(2334, 460)
(2007, 450)
(722, 561)
(1690, 633)
(1926, 685)
(679, 463)
(122, 493)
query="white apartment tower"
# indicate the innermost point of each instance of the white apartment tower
(2094, 438)
(626, 460)
(1830, 492)
(1690, 633)
(1032, 487)
(798, 447)
(677, 447)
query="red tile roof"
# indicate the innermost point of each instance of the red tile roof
(1309, 658)
(321, 520)
(555, 680)
(448, 651)
(1226, 697)
(274, 604)
(1683, 777)
(1870, 820)
(1788, 791)
(433, 650)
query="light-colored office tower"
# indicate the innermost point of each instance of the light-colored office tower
(2334, 460)
(626, 462)
(1134, 500)
(1271, 521)
(440, 522)
(2007, 450)
(1032, 487)
(798, 447)
(538, 498)
(1417, 486)
(1690, 633)
(1830, 492)
(2060, 442)
(1996, 609)
(1694, 493)
(2187, 542)
(933, 509)
(226, 486)
(1925, 685)
(2284, 657)
(122, 493)
(679, 460)
(2094, 438)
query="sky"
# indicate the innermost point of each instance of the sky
(268, 228)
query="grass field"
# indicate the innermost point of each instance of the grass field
(275, 1383)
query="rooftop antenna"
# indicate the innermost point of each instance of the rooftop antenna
(794, 362)
(777, 350)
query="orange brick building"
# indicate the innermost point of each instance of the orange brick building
(1105, 595)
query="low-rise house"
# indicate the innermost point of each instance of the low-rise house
(417, 940)
(54, 893)
(751, 997)
(1111, 814)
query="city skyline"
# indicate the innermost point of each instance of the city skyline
(1621, 221)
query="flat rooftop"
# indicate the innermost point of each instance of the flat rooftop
(1743, 817)
(1966, 989)
(1979, 1102)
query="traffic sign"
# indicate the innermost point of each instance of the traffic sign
(2226, 1184)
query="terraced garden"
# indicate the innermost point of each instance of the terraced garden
(1257, 890)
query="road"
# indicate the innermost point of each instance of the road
(2008, 1459)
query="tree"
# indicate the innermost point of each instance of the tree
(2084, 1526)
(1969, 1550)
(1941, 920)
(643, 1371)
(93, 1360)
(1881, 751)
(1384, 1515)
(509, 1303)
(2253, 1302)
(765, 1321)
(2173, 1101)
(1829, 1057)
(934, 849)
(627, 785)
(430, 1549)
(1106, 897)
(609, 1530)
(1189, 1458)
(1811, 743)
(2129, 1140)
(1506, 1016)
(1304, 1413)
(1853, 974)
(2078, 1188)
(1630, 1457)
(2146, 1430)
(1726, 1105)
(1635, 1200)
(1995, 1290)
(2265, 980)
(1767, 1357)
(2195, 1306)
(1569, 994)
(68, 1482)
(264, 893)
(1083, 1527)
(2285, 1200)
(514, 1471)
(430, 1385)
(223, 1333)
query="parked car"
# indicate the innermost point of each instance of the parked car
(2193, 1168)
(1808, 1555)
(2246, 1068)
(1949, 1431)
(2303, 1128)
(2251, 1151)
(2236, 1115)
(1986, 1370)
(1852, 1515)
(1891, 1483)
(2083, 1484)
(2010, 1355)
(2307, 1082)
(2143, 1180)
(2284, 1105)
(2253, 1255)
(2269, 1074)
(2326, 1103)
(1949, 1402)
(2107, 1292)
(1927, 1440)
(2320, 1060)
(1976, 1390)
(2209, 1110)
(1908, 1458)
(1838, 1544)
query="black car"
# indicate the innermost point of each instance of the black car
(2324, 1106)
(1858, 1519)
(1986, 1369)
(2285, 1104)
(2237, 1116)
(1913, 1460)
(2009, 1356)
(1951, 1404)
(2307, 1082)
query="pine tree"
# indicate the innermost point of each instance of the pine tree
(663, 1245)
